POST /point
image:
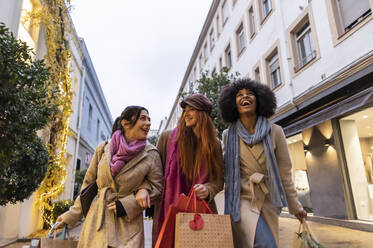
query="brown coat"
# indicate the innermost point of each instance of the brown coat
(253, 161)
(101, 227)
(213, 187)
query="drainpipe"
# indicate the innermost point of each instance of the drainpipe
(81, 98)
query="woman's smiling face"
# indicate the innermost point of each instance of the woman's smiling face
(246, 102)
(190, 116)
(141, 128)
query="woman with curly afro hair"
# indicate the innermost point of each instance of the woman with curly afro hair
(258, 182)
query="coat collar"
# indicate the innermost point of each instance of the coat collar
(256, 150)
(133, 162)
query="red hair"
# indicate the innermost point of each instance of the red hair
(202, 147)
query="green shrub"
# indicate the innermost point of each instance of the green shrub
(25, 108)
(25, 97)
(60, 207)
(79, 177)
(24, 176)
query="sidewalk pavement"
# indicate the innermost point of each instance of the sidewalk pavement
(328, 235)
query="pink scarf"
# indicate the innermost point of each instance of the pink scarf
(121, 152)
(175, 181)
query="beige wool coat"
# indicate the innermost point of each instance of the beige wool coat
(101, 227)
(254, 197)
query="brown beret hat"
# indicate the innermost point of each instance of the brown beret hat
(197, 101)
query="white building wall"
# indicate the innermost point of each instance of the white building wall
(274, 29)
(333, 58)
(10, 12)
(76, 73)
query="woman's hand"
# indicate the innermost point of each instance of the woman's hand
(301, 215)
(61, 224)
(201, 191)
(112, 207)
(143, 198)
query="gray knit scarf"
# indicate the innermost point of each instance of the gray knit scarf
(232, 165)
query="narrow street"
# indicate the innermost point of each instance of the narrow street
(252, 105)
(328, 235)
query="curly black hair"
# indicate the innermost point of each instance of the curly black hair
(265, 99)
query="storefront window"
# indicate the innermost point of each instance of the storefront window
(357, 136)
(300, 178)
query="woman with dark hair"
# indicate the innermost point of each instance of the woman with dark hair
(191, 156)
(128, 173)
(258, 181)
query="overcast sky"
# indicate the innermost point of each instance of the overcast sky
(140, 49)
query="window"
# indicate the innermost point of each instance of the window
(234, 2)
(87, 159)
(218, 25)
(305, 47)
(299, 158)
(252, 28)
(265, 8)
(200, 63)
(212, 39)
(302, 41)
(205, 52)
(97, 129)
(257, 74)
(241, 40)
(213, 71)
(90, 110)
(228, 57)
(225, 12)
(220, 63)
(352, 12)
(357, 144)
(78, 164)
(274, 70)
(191, 81)
(347, 16)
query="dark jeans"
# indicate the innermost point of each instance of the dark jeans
(263, 236)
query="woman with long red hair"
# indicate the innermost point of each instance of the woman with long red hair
(191, 156)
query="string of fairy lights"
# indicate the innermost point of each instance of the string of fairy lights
(53, 16)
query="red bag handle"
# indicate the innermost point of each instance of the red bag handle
(207, 206)
(192, 195)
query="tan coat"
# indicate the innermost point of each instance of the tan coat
(254, 173)
(101, 227)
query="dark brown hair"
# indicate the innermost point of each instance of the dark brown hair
(131, 114)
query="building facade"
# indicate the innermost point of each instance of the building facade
(96, 120)
(21, 219)
(317, 56)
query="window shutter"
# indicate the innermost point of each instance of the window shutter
(351, 10)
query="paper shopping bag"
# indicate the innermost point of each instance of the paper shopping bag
(52, 242)
(203, 231)
(305, 238)
(184, 203)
